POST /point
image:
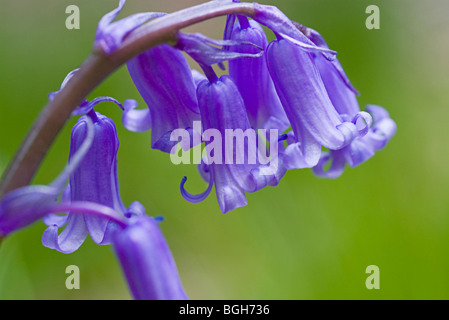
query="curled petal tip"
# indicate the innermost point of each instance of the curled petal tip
(363, 122)
(197, 197)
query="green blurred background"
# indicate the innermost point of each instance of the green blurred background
(307, 238)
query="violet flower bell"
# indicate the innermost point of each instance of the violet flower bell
(164, 79)
(237, 158)
(252, 78)
(94, 180)
(343, 97)
(313, 118)
(223, 114)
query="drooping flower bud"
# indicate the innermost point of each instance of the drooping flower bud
(253, 79)
(164, 79)
(94, 180)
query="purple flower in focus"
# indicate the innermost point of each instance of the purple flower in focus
(94, 180)
(164, 79)
(294, 81)
(222, 108)
(253, 79)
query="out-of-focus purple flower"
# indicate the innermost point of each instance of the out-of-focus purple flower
(253, 79)
(343, 97)
(313, 118)
(147, 261)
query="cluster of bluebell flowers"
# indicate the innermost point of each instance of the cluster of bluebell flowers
(293, 89)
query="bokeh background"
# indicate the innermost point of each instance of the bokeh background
(308, 238)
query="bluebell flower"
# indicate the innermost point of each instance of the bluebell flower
(343, 96)
(140, 246)
(314, 120)
(294, 81)
(253, 80)
(94, 180)
(222, 108)
(164, 79)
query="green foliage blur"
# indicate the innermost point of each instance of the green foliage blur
(308, 238)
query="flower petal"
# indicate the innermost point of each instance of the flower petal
(136, 120)
(70, 239)
(75, 232)
(336, 168)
